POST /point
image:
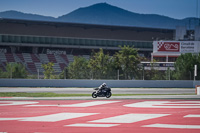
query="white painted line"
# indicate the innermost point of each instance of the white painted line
(174, 126)
(50, 118)
(164, 104)
(92, 125)
(88, 104)
(57, 117)
(184, 103)
(8, 103)
(85, 104)
(9, 119)
(192, 116)
(129, 118)
(188, 104)
(198, 102)
(41, 105)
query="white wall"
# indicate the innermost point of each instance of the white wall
(95, 83)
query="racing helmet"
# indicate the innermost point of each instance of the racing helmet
(104, 84)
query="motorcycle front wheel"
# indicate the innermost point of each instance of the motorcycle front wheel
(94, 95)
(108, 94)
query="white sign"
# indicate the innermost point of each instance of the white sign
(188, 47)
(55, 52)
(195, 70)
(2, 50)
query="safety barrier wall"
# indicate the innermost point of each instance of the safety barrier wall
(95, 83)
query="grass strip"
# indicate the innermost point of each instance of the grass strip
(148, 94)
(50, 94)
(43, 94)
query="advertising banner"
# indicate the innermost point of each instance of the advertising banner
(169, 46)
(177, 46)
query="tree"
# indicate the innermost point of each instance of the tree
(79, 68)
(64, 74)
(15, 70)
(99, 65)
(154, 74)
(127, 60)
(184, 66)
(2, 74)
(48, 70)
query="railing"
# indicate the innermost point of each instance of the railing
(74, 41)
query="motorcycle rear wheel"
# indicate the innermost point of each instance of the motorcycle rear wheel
(94, 95)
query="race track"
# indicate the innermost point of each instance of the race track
(90, 90)
(100, 116)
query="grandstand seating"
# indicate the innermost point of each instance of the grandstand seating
(9, 57)
(70, 58)
(43, 58)
(35, 58)
(64, 57)
(87, 57)
(31, 66)
(3, 57)
(27, 57)
(20, 56)
(57, 68)
(68, 40)
(58, 59)
(38, 66)
(62, 65)
(51, 58)
(2, 67)
(33, 62)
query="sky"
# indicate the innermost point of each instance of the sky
(178, 9)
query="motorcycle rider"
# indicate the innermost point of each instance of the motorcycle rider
(102, 87)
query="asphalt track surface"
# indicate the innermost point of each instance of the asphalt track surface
(90, 90)
(161, 93)
(100, 116)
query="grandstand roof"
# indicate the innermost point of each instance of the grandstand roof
(61, 29)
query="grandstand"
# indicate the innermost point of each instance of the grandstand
(33, 43)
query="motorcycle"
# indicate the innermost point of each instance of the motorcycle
(104, 93)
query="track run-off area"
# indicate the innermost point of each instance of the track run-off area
(86, 116)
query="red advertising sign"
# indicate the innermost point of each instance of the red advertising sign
(169, 46)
